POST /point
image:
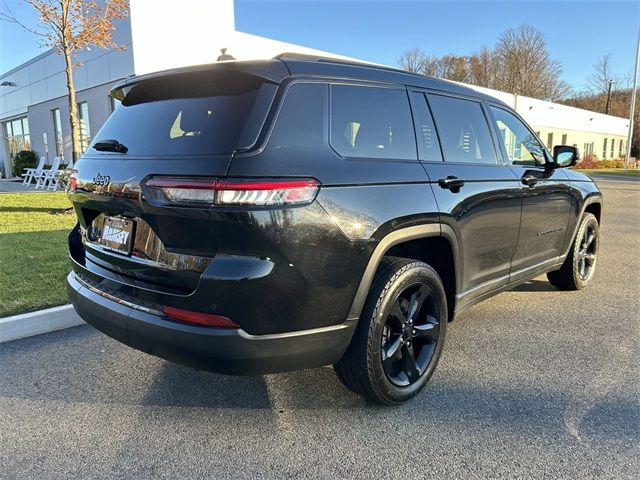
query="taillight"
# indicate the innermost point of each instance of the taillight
(73, 181)
(199, 318)
(218, 192)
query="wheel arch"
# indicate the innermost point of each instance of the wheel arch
(594, 207)
(407, 240)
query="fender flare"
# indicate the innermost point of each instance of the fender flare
(595, 197)
(394, 238)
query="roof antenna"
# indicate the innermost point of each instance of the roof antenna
(224, 55)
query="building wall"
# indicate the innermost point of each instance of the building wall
(41, 120)
(43, 80)
(585, 129)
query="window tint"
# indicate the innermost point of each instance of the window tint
(301, 123)
(523, 148)
(463, 130)
(192, 114)
(428, 144)
(371, 122)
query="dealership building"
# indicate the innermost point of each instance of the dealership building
(34, 108)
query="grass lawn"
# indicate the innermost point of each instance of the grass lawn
(33, 251)
(611, 171)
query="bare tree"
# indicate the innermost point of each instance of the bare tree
(525, 65)
(519, 63)
(70, 26)
(412, 60)
(454, 67)
(598, 81)
(483, 68)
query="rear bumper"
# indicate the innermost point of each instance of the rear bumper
(227, 351)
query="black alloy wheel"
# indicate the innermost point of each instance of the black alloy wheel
(399, 338)
(410, 334)
(579, 266)
(586, 257)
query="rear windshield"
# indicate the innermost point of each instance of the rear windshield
(199, 113)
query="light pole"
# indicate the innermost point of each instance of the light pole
(610, 83)
(633, 105)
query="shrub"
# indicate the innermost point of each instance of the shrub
(64, 178)
(612, 164)
(24, 159)
(588, 161)
(592, 163)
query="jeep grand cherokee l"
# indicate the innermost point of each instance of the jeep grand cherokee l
(263, 216)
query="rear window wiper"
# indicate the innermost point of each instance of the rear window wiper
(110, 145)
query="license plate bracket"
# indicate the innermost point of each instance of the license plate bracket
(117, 234)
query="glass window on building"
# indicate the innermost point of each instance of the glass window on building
(17, 138)
(613, 144)
(85, 129)
(604, 149)
(550, 140)
(620, 148)
(564, 139)
(57, 132)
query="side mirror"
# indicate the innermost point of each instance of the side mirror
(565, 156)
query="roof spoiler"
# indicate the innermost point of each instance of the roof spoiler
(274, 71)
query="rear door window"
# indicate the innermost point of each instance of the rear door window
(372, 122)
(200, 113)
(463, 130)
(428, 143)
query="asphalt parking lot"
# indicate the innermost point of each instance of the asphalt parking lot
(533, 383)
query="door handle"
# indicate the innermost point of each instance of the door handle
(529, 180)
(452, 182)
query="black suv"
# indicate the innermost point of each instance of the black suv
(255, 217)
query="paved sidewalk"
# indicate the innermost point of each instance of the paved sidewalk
(13, 185)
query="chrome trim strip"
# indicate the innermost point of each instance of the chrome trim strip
(116, 299)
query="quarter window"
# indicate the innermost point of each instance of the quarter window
(371, 122)
(463, 130)
(521, 144)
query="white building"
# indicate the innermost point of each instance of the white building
(33, 104)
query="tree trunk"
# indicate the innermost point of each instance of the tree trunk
(73, 108)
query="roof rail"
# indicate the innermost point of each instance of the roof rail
(319, 58)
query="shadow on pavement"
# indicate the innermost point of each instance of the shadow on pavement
(535, 286)
(81, 365)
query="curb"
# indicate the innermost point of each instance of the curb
(35, 323)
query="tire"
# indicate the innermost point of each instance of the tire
(579, 266)
(400, 335)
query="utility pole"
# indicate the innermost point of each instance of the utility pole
(634, 86)
(610, 83)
